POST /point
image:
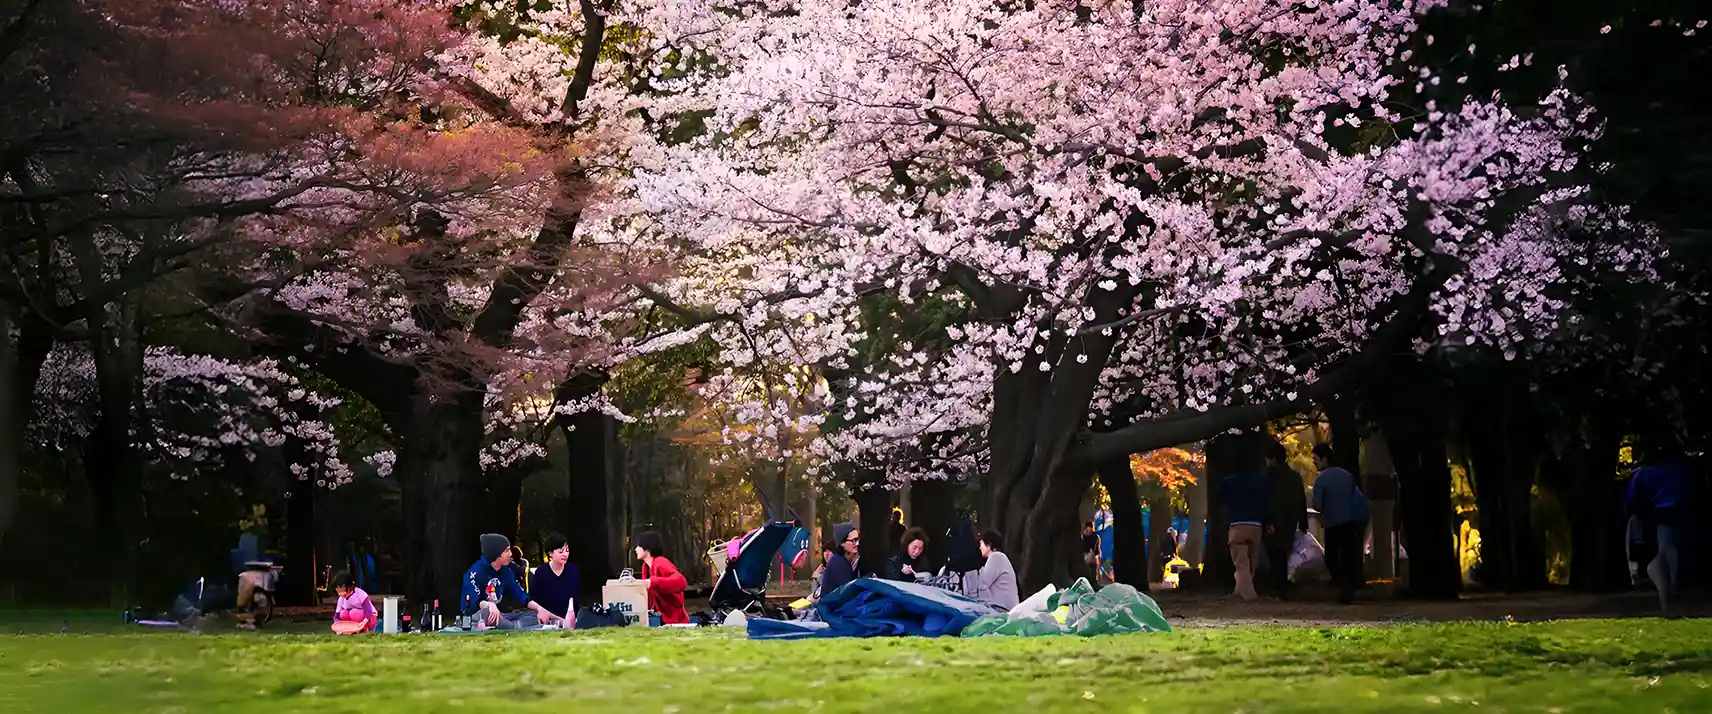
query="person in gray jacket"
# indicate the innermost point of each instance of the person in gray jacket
(995, 582)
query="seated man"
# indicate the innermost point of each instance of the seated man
(491, 580)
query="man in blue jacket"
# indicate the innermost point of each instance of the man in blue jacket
(1658, 498)
(1248, 509)
(1343, 513)
(490, 581)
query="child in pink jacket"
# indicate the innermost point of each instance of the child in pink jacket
(355, 612)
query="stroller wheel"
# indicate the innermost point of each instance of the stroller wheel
(264, 607)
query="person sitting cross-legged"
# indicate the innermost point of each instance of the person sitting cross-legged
(490, 582)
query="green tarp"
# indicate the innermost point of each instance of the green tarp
(1080, 610)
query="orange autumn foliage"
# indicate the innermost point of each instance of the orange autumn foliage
(1169, 468)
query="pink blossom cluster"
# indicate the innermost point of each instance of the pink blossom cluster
(197, 411)
(1236, 193)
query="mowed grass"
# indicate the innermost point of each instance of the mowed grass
(1625, 666)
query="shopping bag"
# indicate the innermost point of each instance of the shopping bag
(629, 597)
(1307, 559)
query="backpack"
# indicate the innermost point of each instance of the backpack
(963, 547)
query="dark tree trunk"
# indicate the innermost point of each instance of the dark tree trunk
(1129, 533)
(1504, 448)
(299, 587)
(502, 496)
(1346, 432)
(1411, 419)
(1218, 571)
(874, 520)
(933, 506)
(1594, 495)
(1159, 541)
(112, 462)
(20, 364)
(440, 463)
(589, 440)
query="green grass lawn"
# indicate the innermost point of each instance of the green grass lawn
(1630, 666)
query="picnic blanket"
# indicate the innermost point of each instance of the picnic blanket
(869, 607)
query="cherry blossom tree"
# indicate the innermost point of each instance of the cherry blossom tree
(1247, 213)
(349, 184)
(196, 413)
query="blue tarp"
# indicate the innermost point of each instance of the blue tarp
(868, 607)
(1103, 527)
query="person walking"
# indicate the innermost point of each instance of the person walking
(1657, 499)
(1248, 510)
(1343, 512)
(1290, 516)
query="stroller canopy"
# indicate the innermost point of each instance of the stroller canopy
(745, 578)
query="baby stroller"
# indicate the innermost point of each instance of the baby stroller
(743, 585)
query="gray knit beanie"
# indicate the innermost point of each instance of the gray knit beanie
(494, 545)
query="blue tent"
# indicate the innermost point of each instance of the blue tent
(1103, 527)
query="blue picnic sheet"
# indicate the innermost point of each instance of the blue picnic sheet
(868, 607)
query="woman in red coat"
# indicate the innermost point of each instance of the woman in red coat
(665, 584)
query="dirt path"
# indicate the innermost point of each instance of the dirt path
(1316, 608)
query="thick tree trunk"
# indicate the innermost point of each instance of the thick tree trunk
(1129, 533)
(440, 466)
(501, 498)
(933, 507)
(1504, 446)
(1194, 548)
(11, 425)
(1219, 574)
(298, 588)
(874, 519)
(1410, 417)
(590, 438)
(1050, 546)
(1159, 542)
(113, 464)
(1594, 494)
(1346, 431)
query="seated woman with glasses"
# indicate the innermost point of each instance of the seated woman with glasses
(841, 567)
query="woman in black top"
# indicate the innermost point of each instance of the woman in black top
(911, 560)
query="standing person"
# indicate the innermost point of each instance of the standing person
(490, 581)
(995, 582)
(1343, 513)
(1657, 498)
(556, 582)
(1091, 548)
(841, 567)
(1290, 516)
(897, 526)
(665, 584)
(1248, 510)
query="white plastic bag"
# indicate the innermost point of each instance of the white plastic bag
(1035, 604)
(1307, 559)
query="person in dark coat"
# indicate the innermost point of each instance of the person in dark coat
(841, 567)
(910, 564)
(1289, 516)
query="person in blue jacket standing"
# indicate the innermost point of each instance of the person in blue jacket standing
(1658, 498)
(1248, 510)
(1343, 513)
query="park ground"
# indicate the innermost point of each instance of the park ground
(1226, 657)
